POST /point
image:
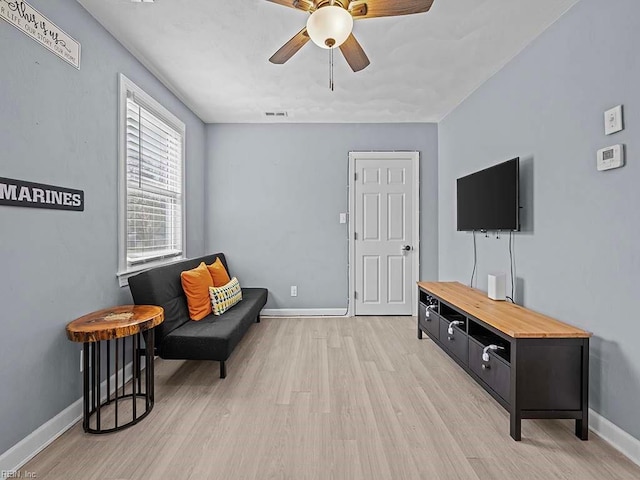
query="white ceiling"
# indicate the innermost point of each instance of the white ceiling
(213, 54)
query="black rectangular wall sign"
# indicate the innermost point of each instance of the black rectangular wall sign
(17, 193)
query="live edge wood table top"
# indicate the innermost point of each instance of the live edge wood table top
(511, 319)
(116, 322)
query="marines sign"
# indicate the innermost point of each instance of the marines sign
(17, 193)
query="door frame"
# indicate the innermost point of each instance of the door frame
(415, 265)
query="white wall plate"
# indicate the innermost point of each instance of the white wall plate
(613, 120)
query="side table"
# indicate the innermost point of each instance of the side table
(125, 325)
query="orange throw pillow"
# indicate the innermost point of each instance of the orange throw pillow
(218, 273)
(195, 284)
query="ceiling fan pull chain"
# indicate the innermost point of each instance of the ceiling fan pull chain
(331, 69)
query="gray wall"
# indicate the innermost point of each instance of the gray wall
(59, 126)
(275, 193)
(578, 258)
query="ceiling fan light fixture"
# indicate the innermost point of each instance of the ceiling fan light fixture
(330, 26)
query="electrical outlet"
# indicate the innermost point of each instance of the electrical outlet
(294, 291)
(82, 361)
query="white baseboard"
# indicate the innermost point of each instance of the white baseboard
(618, 438)
(304, 312)
(14, 458)
(30, 446)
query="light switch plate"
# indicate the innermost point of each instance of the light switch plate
(613, 120)
(343, 218)
(610, 158)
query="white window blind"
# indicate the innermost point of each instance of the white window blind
(154, 186)
(151, 202)
(154, 194)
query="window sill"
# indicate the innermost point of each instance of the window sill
(123, 276)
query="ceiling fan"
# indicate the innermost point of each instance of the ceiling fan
(331, 21)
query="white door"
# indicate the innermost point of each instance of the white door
(385, 227)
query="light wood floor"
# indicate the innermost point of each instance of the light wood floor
(338, 398)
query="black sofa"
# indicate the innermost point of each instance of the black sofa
(180, 338)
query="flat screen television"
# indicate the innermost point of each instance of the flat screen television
(489, 199)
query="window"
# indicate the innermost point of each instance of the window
(151, 173)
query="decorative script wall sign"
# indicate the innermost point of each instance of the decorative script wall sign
(17, 193)
(32, 23)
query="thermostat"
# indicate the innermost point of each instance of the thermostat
(611, 157)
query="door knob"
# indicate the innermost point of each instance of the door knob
(406, 248)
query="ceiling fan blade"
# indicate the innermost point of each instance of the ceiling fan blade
(290, 48)
(354, 54)
(388, 8)
(305, 5)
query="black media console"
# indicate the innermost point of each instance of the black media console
(533, 365)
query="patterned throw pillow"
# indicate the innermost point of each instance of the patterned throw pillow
(225, 297)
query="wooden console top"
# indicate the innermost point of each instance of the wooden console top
(514, 320)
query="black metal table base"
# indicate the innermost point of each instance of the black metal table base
(120, 398)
